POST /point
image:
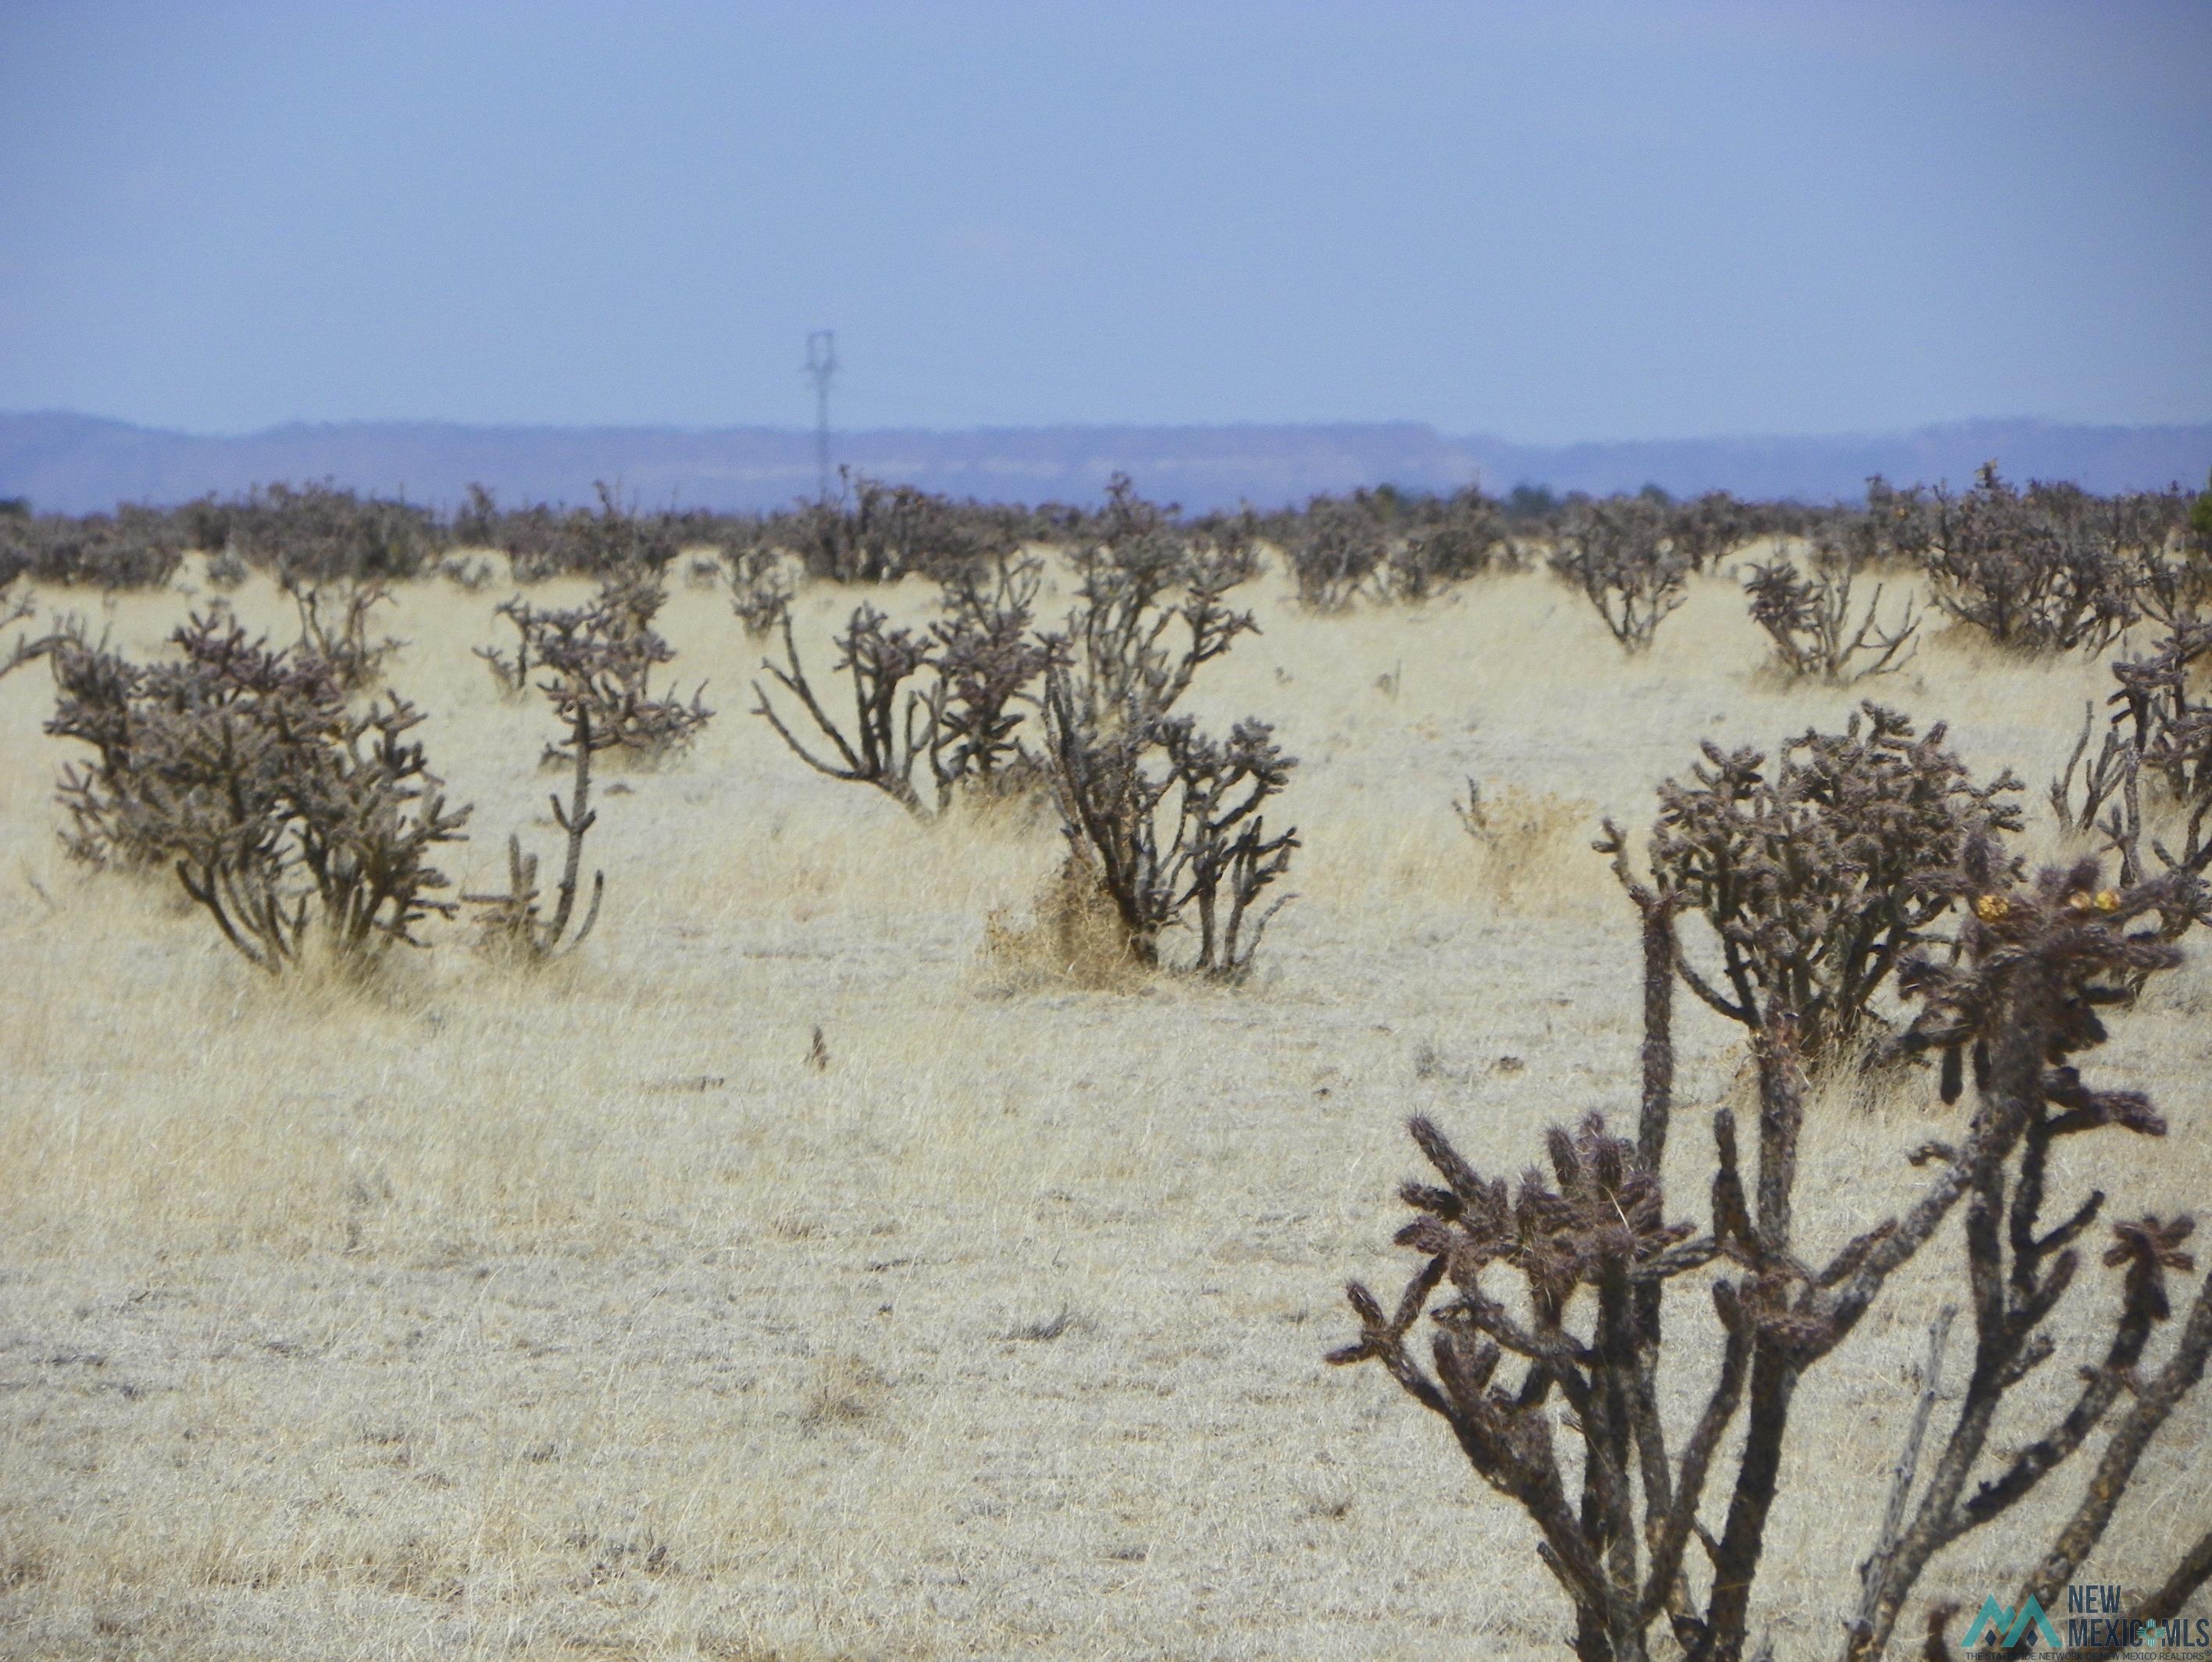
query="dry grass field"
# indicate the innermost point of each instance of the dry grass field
(471, 1314)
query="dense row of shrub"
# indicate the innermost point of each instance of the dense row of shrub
(2047, 567)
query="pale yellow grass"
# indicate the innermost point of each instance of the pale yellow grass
(475, 1315)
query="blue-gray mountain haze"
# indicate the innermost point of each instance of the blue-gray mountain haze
(77, 464)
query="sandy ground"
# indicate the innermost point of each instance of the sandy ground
(475, 1314)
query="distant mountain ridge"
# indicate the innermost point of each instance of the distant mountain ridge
(75, 463)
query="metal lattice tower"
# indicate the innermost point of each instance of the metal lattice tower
(821, 364)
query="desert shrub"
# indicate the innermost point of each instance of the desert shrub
(892, 735)
(600, 657)
(1165, 819)
(2042, 570)
(936, 710)
(1531, 504)
(1449, 541)
(1809, 618)
(1816, 876)
(538, 541)
(1894, 529)
(1150, 608)
(281, 810)
(988, 663)
(475, 522)
(334, 626)
(468, 575)
(1077, 936)
(28, 645)
(1170, 821)
(876, 532)
(2167, 554)
(618, 544)
(1621, 555)
(1901, 523)
(320, 533)
(1707, 529)
(541, 542)
(133, 548)
(1591, 1247)
(14, 608)
(1337, 544)
(760, 591)
(1159, 817)
(1385, 543)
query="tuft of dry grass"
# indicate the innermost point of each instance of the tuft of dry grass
(1526, 842)
(1074, 937)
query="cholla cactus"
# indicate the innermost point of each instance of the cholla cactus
(1622, 555)
(600, 658)
(1169, 821)
(760, 592)
(2157, 744)
(278, 806)
(1817, 874)
(2045, 570)
(334, 626)
(2036, 963)
(512, 925)
(2033, 965)
(1809, 618)
(935, 711)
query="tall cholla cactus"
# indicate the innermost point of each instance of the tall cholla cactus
(2035, 963)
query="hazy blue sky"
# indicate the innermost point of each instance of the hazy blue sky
(1551, 221)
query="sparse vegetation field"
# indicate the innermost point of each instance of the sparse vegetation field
(858, 1246)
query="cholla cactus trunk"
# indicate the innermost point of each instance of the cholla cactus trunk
(510, 923)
